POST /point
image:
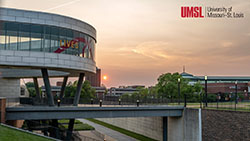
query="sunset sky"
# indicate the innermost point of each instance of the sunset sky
(137, 40)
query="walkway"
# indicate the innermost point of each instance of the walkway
(106, 131)
(69, 112)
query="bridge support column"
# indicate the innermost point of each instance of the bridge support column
(2, 109)
(76, 101)
(55, 130)
(165, 128)
(38, 95)
(47, 87)
(65, 79)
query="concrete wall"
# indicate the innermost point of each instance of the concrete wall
(46, 60)
(185, 128)
(9, 88)
(225, 125)
(147, 126)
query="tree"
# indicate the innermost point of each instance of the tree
(142, 92)
(69, 89)
(31, 89)
(153, 92)
(87, 92)
(167, 87)
(30, 84)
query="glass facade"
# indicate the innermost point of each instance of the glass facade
(43, 38)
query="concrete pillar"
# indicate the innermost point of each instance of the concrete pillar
(65, 79)
(38, 95)
(76, 101)
(47, 87)
(185, 128)
(165, 128)
(55, 131)
(70, 128)
(2, 109)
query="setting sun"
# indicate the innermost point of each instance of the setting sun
(105, 77)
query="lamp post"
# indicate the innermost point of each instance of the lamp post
(200, 97)
(92, 101)
(119, 101)
(100, 103)
(206, 91)
(236, 97)
(58, 102)
(179, 90)
(217, 99)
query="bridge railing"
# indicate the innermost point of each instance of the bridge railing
(214, 101)
(109, 100)
(231, 101)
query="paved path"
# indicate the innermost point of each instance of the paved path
(106, 131)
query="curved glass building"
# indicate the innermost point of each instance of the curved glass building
(45, 38)
(23, 35)
(37, 44)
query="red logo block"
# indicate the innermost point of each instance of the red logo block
(191, 12)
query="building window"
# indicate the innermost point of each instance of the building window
(43, 38)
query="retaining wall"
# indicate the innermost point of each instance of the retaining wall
(221, 125)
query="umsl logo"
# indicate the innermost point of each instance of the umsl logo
(191, 12)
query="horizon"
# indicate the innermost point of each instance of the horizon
(137, 41)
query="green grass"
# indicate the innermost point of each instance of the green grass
(81, 127)
(9, 134)
(67, 121)
(78, 126)
(123, 131)
(181, 104)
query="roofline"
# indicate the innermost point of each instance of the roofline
(91, 32)
(222, 78)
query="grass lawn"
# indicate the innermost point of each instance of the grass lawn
(67, 121)
(9, 134)
(181, 104)
(78, 126)
(123, 131)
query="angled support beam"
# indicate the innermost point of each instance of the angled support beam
(47, 87)
(65, 79)
(38, 95)
(78, 89)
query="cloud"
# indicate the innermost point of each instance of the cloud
(154, 49)
(226, 44)
(62, 5)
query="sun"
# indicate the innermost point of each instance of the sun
(105, 77)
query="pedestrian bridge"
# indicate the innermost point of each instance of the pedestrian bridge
(72, 112)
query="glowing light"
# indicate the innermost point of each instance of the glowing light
(105, 77)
